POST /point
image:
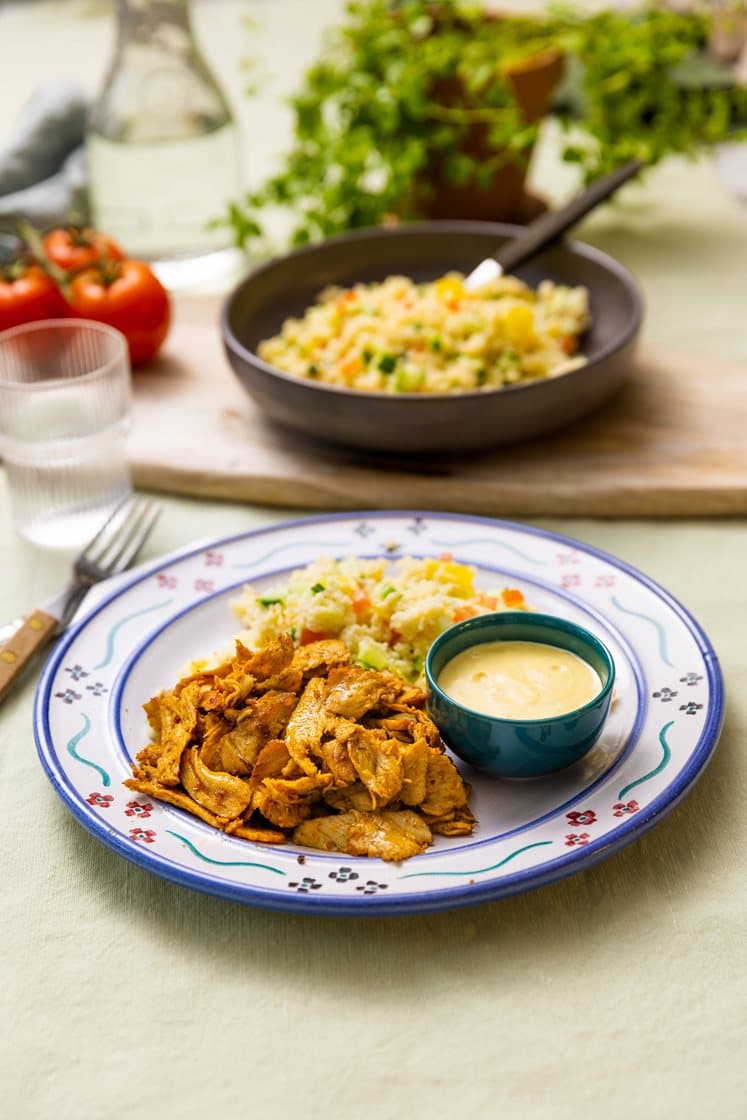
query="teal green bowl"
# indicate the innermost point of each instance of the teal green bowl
(514, 748)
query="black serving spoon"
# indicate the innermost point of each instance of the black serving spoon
(549, 227)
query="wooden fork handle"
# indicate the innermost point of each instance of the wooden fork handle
(23, 646)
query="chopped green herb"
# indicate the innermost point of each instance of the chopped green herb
(293, 633)
(482, 376)
(312, 371)
(270, 600)
(367, 355)
(435, 343)
(387, 362)
(317, 588)
(387, 591)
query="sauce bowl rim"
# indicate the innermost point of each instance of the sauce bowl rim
(482, 621)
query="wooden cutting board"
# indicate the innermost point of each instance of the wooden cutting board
(672, 442)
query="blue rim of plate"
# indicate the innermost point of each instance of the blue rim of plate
(577, 859)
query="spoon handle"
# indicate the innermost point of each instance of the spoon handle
(550, 226)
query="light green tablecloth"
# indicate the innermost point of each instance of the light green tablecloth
(618, 993)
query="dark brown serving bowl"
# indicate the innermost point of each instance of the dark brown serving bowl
(428, 422)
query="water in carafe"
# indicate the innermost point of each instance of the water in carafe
(162, 148)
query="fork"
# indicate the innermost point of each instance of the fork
(110, 552)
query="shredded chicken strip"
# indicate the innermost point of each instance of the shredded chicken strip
(391, 836)
(283, 741)
(307, 725)
(221, 793)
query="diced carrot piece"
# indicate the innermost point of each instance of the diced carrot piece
(447, 556)
(345, 298)
(309, 636)
(351, 366)
(361, 602)
(489, 601)
(462, 613)
(568, 343)
(512, 597)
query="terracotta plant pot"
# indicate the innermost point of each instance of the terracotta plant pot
(505, 199)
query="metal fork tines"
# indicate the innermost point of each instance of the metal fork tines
(118, 540)
(111, 551)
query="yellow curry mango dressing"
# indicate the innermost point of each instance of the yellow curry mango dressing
(519, 680)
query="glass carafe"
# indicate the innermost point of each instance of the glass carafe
(162, 147)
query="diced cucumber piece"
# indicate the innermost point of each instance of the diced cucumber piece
(372, 655)
(408, 379)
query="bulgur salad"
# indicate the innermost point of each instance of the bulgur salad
(386, 612)
(403, 337)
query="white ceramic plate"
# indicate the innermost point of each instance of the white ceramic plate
(665, 723)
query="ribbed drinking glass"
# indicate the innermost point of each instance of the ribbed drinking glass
(64, 415)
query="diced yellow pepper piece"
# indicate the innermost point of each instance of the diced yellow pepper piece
(458, 577)
(520, 326)
(449, 287)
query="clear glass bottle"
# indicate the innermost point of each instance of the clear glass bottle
(162, 148)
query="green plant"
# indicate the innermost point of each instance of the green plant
(378, 106)
(642, 87)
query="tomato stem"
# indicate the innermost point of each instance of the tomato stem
(35, 243)
(108, 271)
(33, 240)
(78, 236)
(14, 270)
